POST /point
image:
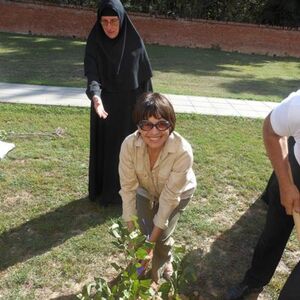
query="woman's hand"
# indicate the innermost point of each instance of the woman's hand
(99, 108)
(147, 259)
(155, 234)
(145, 263)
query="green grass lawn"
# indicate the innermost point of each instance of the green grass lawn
(53, 240)
(200, 72)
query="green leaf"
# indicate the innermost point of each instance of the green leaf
(118, 245)
(99, 297)
(114, 226)
(141, 253)
(149, 245)
(116, 234)
(126, 294)
(134, 234)
(164, 289)
(90, 287)
(146, 283)
(179, 249)
(131, 253)
(80, 296)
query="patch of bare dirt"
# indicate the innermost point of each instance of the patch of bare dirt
(11, 201)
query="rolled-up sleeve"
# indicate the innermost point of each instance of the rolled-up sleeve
(128, 180)
(181, 175)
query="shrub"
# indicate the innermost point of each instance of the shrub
(132, 282)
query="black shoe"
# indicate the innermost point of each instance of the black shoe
(239, 291)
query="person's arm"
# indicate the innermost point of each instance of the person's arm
(178, 179)
(155, 234)
(153, 238)
(93, 90)
(277, 151)
(128, 181)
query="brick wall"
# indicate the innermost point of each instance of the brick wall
(75, 22)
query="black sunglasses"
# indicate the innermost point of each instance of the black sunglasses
(160, 125)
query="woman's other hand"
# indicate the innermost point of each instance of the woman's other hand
(99, 108)
(145, 263)
(156, 232)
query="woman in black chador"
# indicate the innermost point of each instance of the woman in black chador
(118, 71)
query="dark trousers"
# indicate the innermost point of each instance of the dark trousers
(291, 289)
(275, 235)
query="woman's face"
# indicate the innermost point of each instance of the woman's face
(110, 25)
(154, 138)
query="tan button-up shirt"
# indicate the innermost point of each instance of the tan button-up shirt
(171, 179)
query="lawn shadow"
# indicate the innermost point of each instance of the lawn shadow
(277, 87)
(229, 67)
(31, 54)
(39, 235)
(207, 61)
(230, 254)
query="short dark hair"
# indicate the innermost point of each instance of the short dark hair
(154, 105)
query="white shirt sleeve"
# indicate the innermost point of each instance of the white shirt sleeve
(285, 118)
(279, 119)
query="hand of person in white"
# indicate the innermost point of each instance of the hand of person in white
(277, 150)
(99, 108)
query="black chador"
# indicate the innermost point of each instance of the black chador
(118, 71)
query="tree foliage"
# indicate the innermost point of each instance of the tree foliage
(281, 13)
(273, 12)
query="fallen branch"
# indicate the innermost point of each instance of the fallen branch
(59, 132)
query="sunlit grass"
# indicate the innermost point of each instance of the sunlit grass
(200, 72)
(53, 240)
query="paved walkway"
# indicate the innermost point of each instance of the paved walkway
(46, 95)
